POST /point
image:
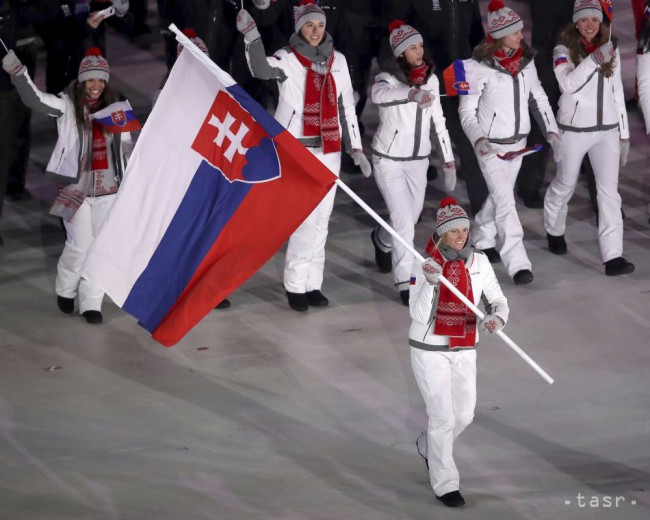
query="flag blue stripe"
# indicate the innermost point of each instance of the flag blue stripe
(208, 205)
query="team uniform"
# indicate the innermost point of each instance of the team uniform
(401, 148)
(593, 121)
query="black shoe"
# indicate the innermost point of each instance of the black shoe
(532, 200)
(556, 244)
(523, 277)
(493, 255)
(66, 305)
(93, 317)
(298, 301)
(383, 259)
(617, 266)
(404, 296)
(224, 304)
(317, 299)
(432, 173)
(452, 499)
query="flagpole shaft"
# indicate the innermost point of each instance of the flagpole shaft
(444, 281)
(5, 47)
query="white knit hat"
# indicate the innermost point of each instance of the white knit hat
(586, 8)
(94, 66)
(502, 20)
(450, 216)
(307, 11)
(193, 37)
(402, 36)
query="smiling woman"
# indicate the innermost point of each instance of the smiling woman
(87, 160)
(316, 105)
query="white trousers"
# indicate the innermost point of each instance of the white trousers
(304, 262)
(604, 151)
(403, 185)
(498, 223)
(81, 231)
(447, 381)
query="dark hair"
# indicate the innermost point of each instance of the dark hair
(489, 47)
(644, 36)
(405, 67)
(570, 37)
(79, 98)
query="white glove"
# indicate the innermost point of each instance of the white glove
(449, 171)
(423, 98)
(262, 4)
(432, 271)
(604, 53)
(360, 160)
(247, 26)
(484, 147)
(556, 144)
(492, 324)
(11, 64)
(625, 150)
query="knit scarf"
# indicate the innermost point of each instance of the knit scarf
(453, 318)
(418, 75)
(587, 46)
(320, 115)
(509, 62)
(98, 156)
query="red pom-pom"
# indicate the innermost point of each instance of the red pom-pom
(495, 5)
(395, 24)
(190, 33)
(306, 2)
(93, 51)
(448, 201)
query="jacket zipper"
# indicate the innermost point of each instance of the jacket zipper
(491, 124)
(622, 123)
(574, 112)
(391, 142)
(291, 119)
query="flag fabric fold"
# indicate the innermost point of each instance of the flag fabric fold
(456, 81)
(213, 189)
(117, 117)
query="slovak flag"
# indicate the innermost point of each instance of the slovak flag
(608, 8)
(117, 117)
(213, 189)
(509, 156)
(456, 81)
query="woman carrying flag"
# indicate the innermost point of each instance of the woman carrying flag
(89, 159)
(313, 81)
(408, 97)
(443, 339)
(497, 121)
(593, 121)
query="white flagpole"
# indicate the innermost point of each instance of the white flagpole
(446, 282)
(225, 78)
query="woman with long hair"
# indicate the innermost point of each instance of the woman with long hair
(88, 159)
(408, 96)
(443, 338)
(313, 81)
(593, 120)
(497, 121)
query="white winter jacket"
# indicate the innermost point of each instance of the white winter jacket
(423, 301)
(500, 111)
(292, 94)
(643, 83)
(404, 128)
(70, 145)
(590, 102)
